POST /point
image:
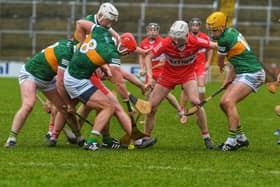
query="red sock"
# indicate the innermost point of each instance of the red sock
(51, 127)
(55, 135)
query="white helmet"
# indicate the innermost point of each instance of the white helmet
(108, 11)
(179, 30)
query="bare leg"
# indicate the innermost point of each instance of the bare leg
(190, 90)
(134, 80)
(28, 95)
(233, 94)
(156, 96)
(100, 102)
(201, 87)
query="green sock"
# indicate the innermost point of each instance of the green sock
(107, 139)
(239, 130)
(95, 138)
(232, 133)
(13, 134)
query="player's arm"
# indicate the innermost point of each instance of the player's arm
(230, 74)
(221, 61)
(115, 35)
(83, 27)
(118, 80)
(209, 57)
(148, 65)
(142, 64)
(213, 45)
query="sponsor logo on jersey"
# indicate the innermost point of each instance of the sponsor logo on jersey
(116, 61)
(221, 48)
(65, 62)
(156, 48)
(180, 61)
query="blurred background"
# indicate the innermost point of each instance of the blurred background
(28, 26)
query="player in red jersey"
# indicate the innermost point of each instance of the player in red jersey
(180, 49)
(153, 39)
(202, 62)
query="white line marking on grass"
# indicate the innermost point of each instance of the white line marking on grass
(151, 167)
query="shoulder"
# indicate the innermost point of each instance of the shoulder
(203, 35)
(228, 36)
(89, 17)
(194, 40)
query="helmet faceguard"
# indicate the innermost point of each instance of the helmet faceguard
(216, 21)
(152, 30)
(151, 26)
(179, 30)
(108, 11)
(195, 21)
(127, 44)
(195, 25)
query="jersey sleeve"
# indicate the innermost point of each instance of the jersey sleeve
(114, 59)
(158, 49)
(203, 42)
(223, 46)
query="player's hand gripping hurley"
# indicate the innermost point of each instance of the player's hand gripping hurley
(195, 108)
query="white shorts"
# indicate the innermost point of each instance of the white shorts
(253, 80)
(75, 87)
(41, 85)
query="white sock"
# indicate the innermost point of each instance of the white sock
(204, 136)
(241, 137)
(95, 132)
(11, 139)
(231, 141)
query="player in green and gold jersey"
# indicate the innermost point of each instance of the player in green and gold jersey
(39, 73)
(246, 72)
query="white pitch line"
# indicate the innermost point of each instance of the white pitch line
(151, 167)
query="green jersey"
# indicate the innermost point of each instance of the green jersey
(44, 65)
(97, 49)
(235, 47)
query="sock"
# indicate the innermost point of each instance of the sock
(95, 137)
(54, 135)
(239, 130)
(107, 139)
(182, 108)
(205, 134)
(240, 134)
(232, 133)
(51, 127)
(231, 137)
(13, 134)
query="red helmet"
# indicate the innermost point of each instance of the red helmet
(128, 41)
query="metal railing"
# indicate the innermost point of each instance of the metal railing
(76, 4)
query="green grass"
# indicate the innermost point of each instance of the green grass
(178, 159)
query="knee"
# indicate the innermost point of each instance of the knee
(226, 104)
(112, 108)
(154, 109)
(28, 107)
(194, 101)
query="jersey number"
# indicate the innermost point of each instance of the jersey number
(90, 45)
(242, 40)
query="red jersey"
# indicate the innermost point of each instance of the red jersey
(201, 55)
(148, 44)
(180, 62)
(200, 61)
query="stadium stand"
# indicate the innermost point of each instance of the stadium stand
(28, 26)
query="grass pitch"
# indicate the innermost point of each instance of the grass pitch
(178, 159)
